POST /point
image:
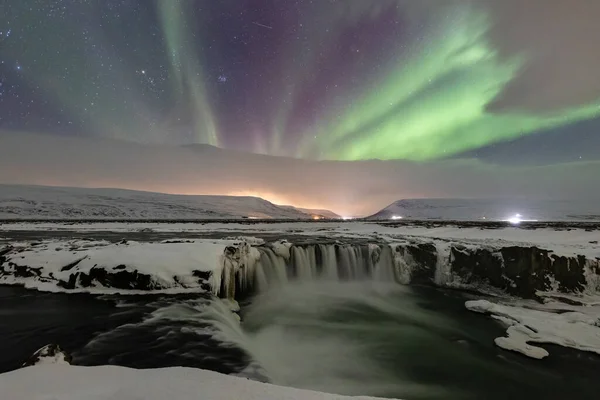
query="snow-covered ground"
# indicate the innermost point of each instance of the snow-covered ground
(30, 202)
(64, 382)
(493, 209)
(172, 266)
(575, 327)
(566, 242)
(186, 264)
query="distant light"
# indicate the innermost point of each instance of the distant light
(347, 218)
(316, 217)
(517, 219)
(396, 217)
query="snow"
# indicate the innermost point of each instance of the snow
(572, 329)
(56, 359)
(495, 209)
(171, 263)
(282, 248)
(63, 382)
(50, 354)
(31, 202)
(566, 242)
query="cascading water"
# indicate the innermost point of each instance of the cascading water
(331, 262)
(332, 317)
(300, 328)
(336, 318)
(372, 338)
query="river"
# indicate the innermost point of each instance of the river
(357, 338)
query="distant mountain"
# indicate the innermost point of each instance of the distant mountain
(492, 209)
(44, 202)
(325, 214)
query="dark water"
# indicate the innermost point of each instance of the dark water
(99, 330)
(351, 338)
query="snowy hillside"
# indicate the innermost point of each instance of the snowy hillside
(316, 212)
(73, 203)
(492, 209)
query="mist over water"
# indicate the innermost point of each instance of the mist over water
(356, 338)
(332, 336)
(370, 338)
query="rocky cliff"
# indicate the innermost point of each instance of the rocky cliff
(241, 268)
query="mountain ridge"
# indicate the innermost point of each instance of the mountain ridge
(59, 202)
(503, 209)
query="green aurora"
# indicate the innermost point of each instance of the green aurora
(429, 96)
(435, 104)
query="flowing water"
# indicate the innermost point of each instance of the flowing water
(370, 338)
(347, 337)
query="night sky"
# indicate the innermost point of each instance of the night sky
(501, 81)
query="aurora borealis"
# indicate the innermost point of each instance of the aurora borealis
(327, 80)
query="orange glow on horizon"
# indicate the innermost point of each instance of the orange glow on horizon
(271, 197)
(275, 198)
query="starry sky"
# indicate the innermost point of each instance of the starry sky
(500, 81)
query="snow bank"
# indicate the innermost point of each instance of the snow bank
(573, 329)
(101, 267)
(109, 383)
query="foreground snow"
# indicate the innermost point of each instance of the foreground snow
(578, 330)
(63, 382)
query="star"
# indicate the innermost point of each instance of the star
(375, 81)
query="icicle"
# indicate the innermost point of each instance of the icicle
(402, 265)
(443, 270)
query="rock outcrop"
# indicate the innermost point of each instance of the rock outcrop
(521, 271)
(241, 268)
(49, 354)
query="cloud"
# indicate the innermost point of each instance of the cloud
(349, 188)
(559, 40)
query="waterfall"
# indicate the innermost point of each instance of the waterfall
(329, 268)
(384, 268)
(332, 262)
(270, 269)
